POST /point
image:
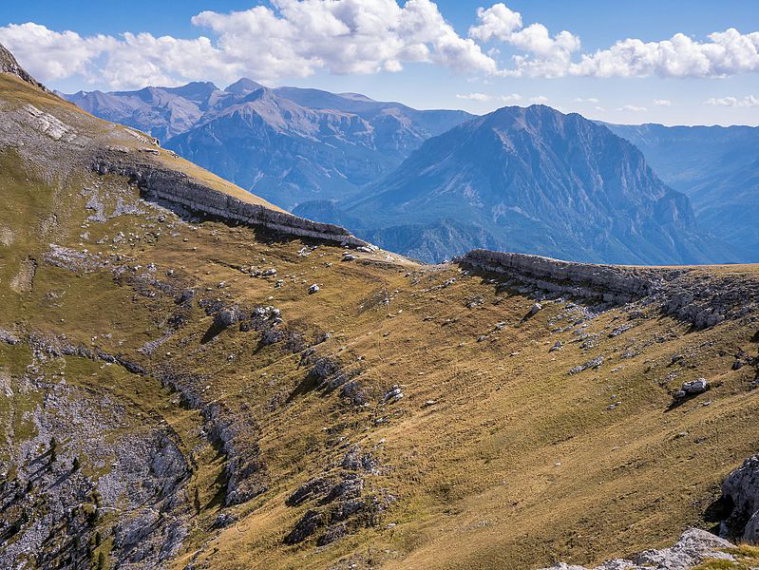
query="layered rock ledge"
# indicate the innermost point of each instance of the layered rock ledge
(701, 299)
(178, 192)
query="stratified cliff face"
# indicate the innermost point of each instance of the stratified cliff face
(180, 193)
(537, 181)
(716, 167)
(686, 293)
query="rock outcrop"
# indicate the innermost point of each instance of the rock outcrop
(704, 300)
(609, 283)
(180, 193)
(8, 64)
(740, 496)
(693, 547)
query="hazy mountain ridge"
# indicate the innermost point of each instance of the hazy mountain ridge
(716, 167)
(287, 144)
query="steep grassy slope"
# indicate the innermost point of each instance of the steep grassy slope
(174, 397)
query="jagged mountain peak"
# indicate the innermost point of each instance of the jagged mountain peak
(198, 91)
(535, 179)
(243, 86)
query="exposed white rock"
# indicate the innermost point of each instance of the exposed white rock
(693, 547)
(696, 386)
(47, 124)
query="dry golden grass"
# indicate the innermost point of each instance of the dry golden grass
(516, 464)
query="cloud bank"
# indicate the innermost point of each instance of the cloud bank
(297, 38)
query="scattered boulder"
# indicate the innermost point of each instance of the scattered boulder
(313, 289)
(692, 388)
(594, 363)
(8, 337)
(227, 317)
(394, 394)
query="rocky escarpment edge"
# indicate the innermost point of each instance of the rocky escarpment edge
(701, 299)
(608, 283)
(178, 192)
(8, 64)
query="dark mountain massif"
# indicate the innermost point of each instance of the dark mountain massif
(533, 179)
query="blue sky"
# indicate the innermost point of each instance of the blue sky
(423, 53)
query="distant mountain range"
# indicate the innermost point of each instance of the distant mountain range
(433, 184)
(289, 145)
(529, 180)
(716, 167)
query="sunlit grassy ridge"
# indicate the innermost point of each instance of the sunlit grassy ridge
(495, 457)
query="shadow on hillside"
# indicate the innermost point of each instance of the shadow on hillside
(308, 384)
(213, 331)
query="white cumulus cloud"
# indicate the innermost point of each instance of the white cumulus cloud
(474, 97)
(293, 38)
(543, 55)
(662, 102)
(747, 101)
(297, 38)
(726, 53)
(52, 55)
(632, 108)
(511, 98)
(482, 97)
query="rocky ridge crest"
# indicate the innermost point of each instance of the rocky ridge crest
(8, 64)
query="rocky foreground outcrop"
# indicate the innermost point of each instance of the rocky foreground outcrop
(740, 499)
(693, 547)
(738, 509)
(8, 64)
(703, 300)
